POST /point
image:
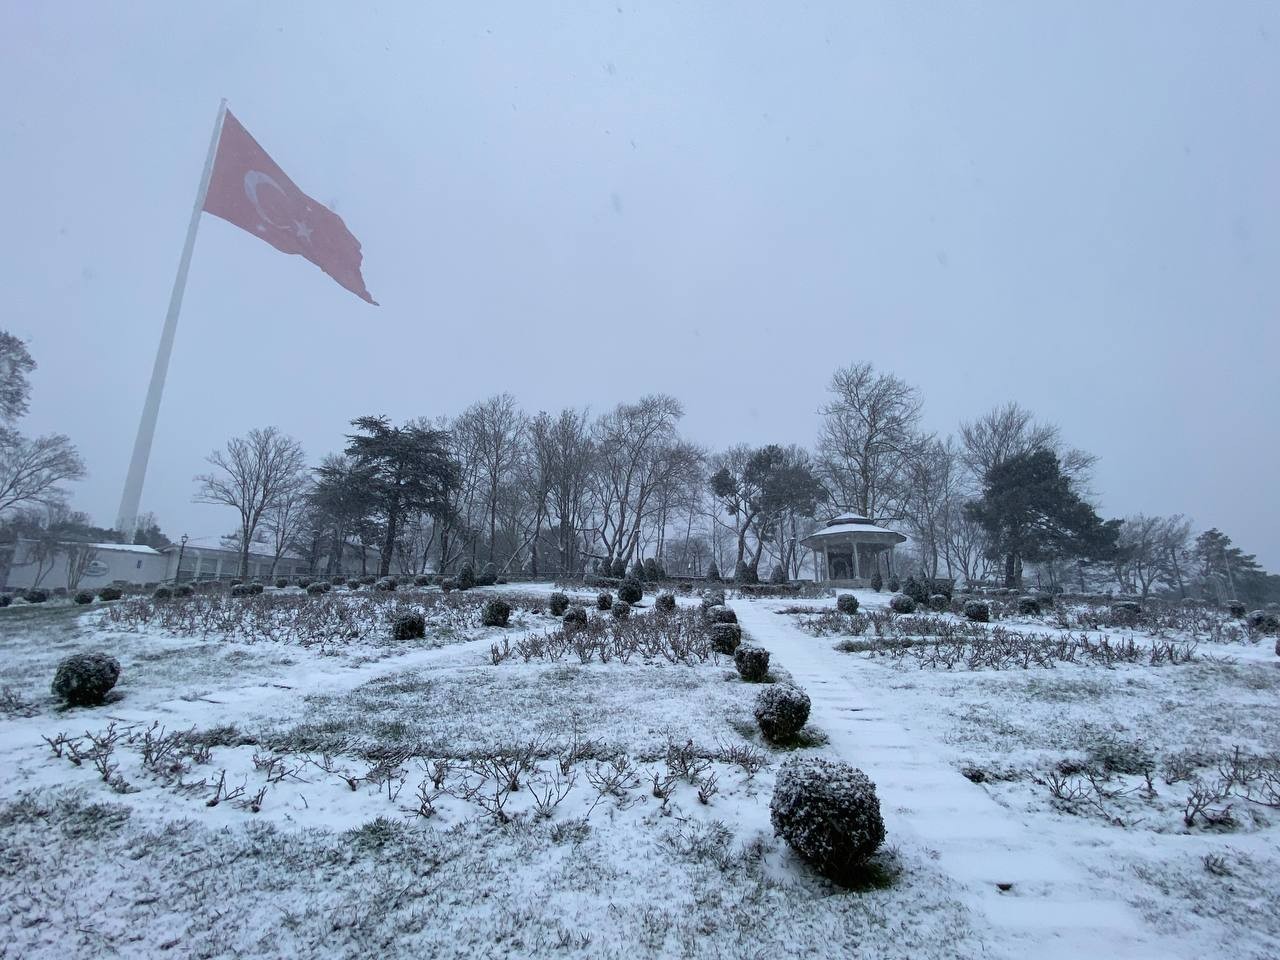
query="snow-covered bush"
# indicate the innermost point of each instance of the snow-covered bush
(448, 584)
(303, 582)
(752, 663)
(743, 572)
(184, 590)
(938, 602)
(894, 585)
(5, 600)
(387, 584)
(281, 583)
(665, 603)
(877, 582)
(917, 590)
(36, 595)
(241, 590)
(558, 603)
(604, 600)
(901, 603)
(422, 580)
(466, 577)
(575, 616)
(408, 626)
(847, 603)
(317, 588)
(619, 569)
(652, 571)
(721, 614)
(85, 679)
(713, 573)
(496, 613)
(714, 598)
(725, 637)
(977, 610)
(1126, 611)
(1263, 621)
(621, 610)
(781, 711)
(828, 812)
(631, 590)
(1235, 608)
(256, 588)
(779, 575)
(488, 576)
(1029, 606)
(338, 580)
(110, 593)
(83, 597)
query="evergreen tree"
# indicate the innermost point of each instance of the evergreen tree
(1029, 511)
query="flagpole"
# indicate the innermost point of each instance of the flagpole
(127, 519)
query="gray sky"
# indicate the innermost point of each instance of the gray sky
(1073, 205)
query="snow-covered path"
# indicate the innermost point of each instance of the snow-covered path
(1053, 909)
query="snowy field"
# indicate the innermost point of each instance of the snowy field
(275, 786)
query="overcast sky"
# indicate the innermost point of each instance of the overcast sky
(1070, 205)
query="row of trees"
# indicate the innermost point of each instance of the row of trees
(568, 492)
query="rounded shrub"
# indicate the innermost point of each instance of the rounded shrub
(315, 589)
(721, 614)
(621, 610)
(828, 813)
(1235, 608)
(778, 576)
(575, 616)
(618, 569)
(408, 626)
(36, 595)
(241, 590)
(725, 637)
(714, 598)
(977, 611)
(110, 593)
(5, 600)
(422, 580)
(386, 585)
(1263, 621)
(184, 590)
(1126, 611)
(448, 585)
(338, 581)
(938, 602)
(558, 603)
(254, 589)
(743, 572)
(303, 582)
(665, 603)
(781, 711)
(895, 585)
(368, 579)
(847, 603)
(652, 572)
(631, 590)
(162, 593)
(281, 583)
(901, 603)
(752, 663)
(495, 613)
(917, 590)
(877, 582)
(84, 597)
(713, 573)
(604, 600)
(488, 576)
(1029, 606)
(85, 679)
(466, 577)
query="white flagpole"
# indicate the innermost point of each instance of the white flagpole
(127, 519)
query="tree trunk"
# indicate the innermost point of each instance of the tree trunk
(1011, 570)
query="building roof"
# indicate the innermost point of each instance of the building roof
(851, 528)
(118, 547)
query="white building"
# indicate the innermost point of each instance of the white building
(88, 566)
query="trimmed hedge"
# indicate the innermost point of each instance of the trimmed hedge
(828, 812)
(781, 711)
(85, 679)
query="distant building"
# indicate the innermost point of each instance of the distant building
(850, 548)
(26, 563)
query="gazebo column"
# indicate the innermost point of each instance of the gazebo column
(857, 563)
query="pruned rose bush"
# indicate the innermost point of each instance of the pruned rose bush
(85, 679)
(829, 814)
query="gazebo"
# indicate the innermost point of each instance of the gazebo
(850, 548)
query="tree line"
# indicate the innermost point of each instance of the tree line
(1004, 499)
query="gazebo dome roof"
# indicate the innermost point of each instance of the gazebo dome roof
(851, 528)
(847, 517)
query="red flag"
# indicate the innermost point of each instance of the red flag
(249, 190)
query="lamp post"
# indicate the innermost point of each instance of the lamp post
(182, 548)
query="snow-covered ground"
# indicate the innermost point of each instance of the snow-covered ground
(363, 799)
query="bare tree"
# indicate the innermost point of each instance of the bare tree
(287, 518)
(868, 440)
(1010, 431)
(31, 469)
(495, 432)
(251, 475)
(80, 557)
(565, 459)
(932, 493)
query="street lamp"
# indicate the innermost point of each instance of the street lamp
(182, 548)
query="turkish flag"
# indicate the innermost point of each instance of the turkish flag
(249, 190)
